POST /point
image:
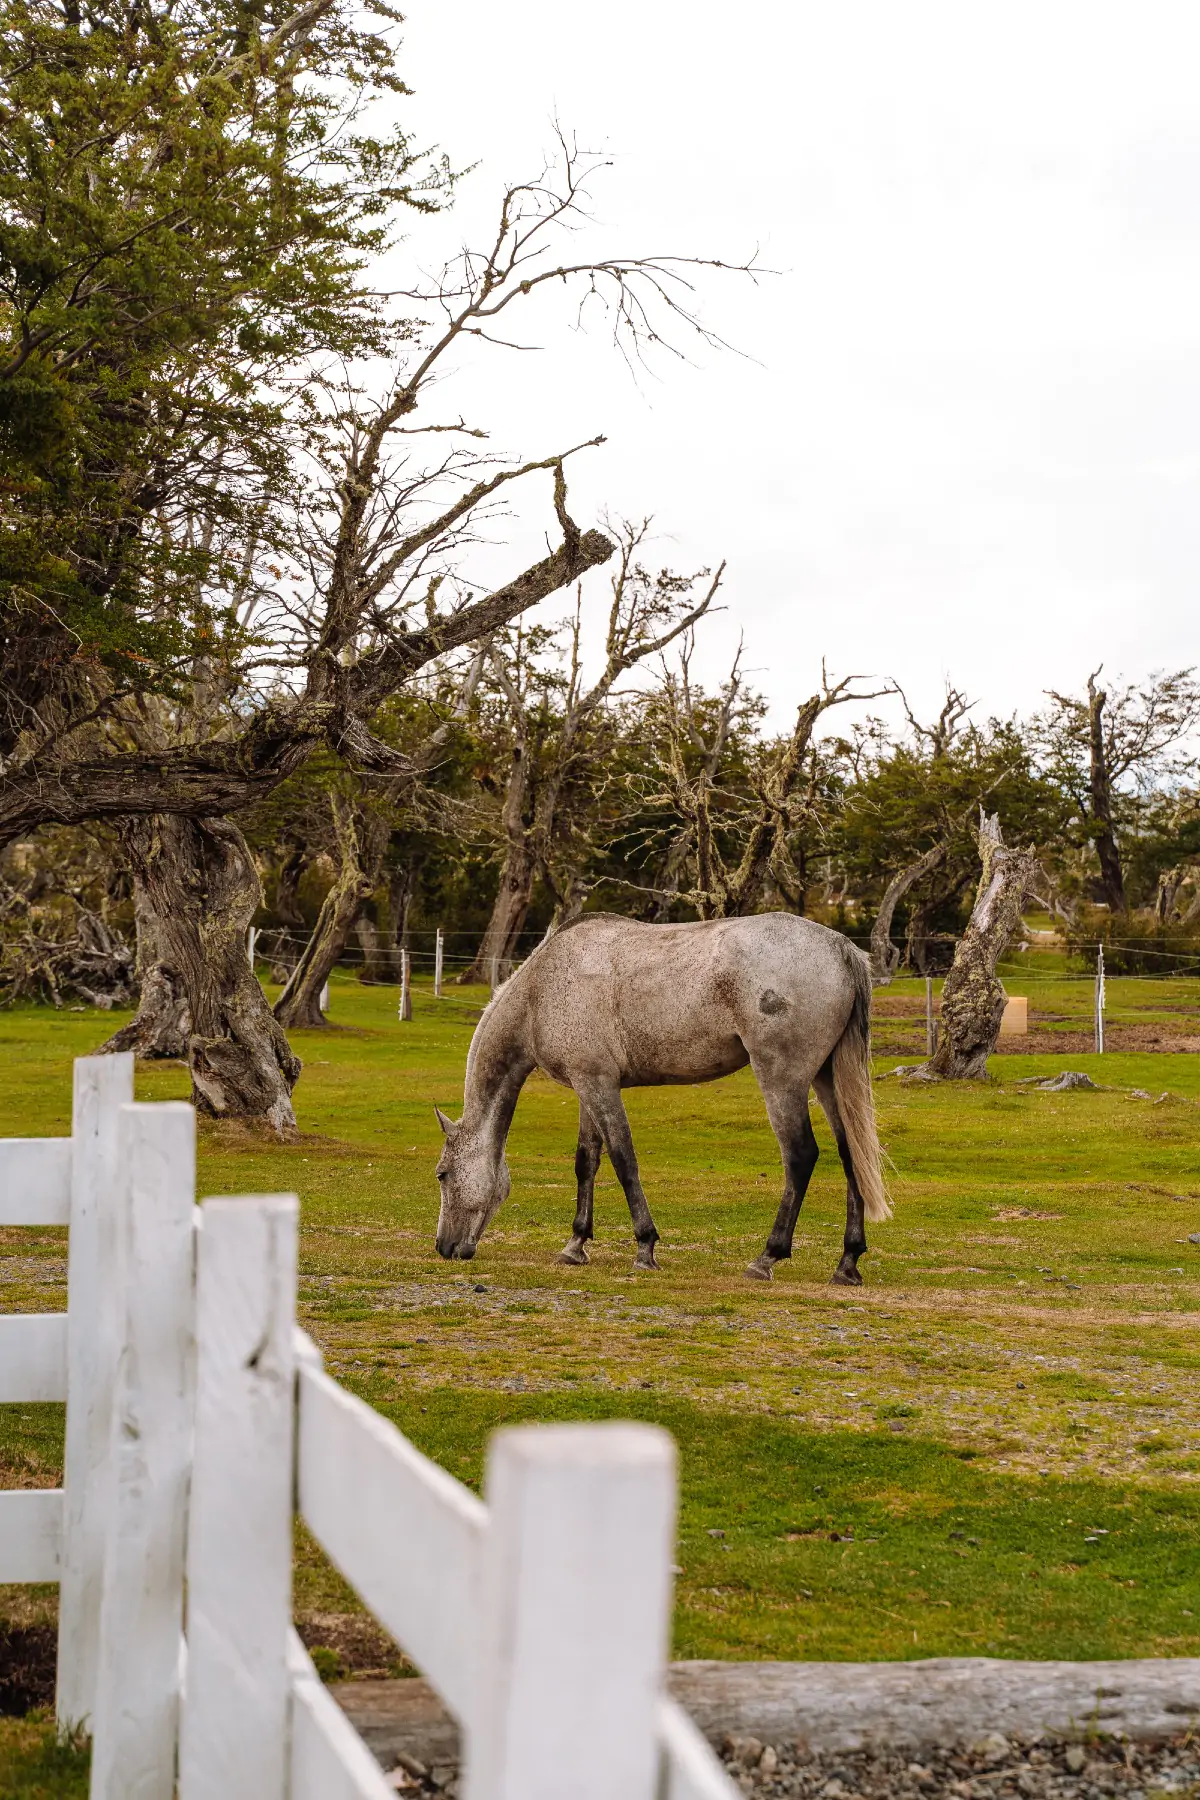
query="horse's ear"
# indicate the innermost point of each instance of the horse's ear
(449, 1126)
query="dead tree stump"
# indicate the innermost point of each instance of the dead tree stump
(972, 996)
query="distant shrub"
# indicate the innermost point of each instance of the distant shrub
(1134, 944)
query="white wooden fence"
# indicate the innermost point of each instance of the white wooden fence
(199, 1420)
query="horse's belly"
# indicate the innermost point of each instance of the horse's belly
(670, 1064)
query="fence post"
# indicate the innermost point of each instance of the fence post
(1100, 997)
(136, 1715)
(102, 1084)
(574, 1608)
(439, 953)
(233, 1741)
(323, 1002)
(405, 985)
(930, 1021)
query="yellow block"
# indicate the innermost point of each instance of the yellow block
(1015, 1022)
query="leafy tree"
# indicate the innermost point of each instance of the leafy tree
(1106, 749)
(555, 729)
(246, 557)
(906, 835)
(186, 208)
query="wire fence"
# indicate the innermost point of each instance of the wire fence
(457, 953)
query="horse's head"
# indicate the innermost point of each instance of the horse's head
(473, 1177)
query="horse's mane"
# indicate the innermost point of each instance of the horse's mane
(584, 918)
(570, 925)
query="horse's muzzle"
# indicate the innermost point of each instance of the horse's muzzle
(448, 1249)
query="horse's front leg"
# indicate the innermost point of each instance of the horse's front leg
(608, 1110)
(587, 1162)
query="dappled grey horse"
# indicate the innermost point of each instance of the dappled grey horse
(610, 1003)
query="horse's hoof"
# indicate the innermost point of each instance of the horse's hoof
(840, 1278)
(574, 1254)
(646, 1259)
(760, 1271)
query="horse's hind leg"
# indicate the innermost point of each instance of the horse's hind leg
(608, 1110)
(587, 1162)
(798, 1147)
(854, 1243)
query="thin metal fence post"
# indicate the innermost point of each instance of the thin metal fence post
(438, 957)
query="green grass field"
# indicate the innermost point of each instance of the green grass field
(993, 1448)
(35, 1766)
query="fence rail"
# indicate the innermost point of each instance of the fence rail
(540, 1616)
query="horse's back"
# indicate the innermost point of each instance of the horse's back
(687, 1002)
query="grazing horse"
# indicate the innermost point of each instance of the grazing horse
(610, 1003)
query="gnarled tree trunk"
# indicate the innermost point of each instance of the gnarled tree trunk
(287, 884)
(300, 1001)
(163, 1023)
(392, 938)
(885, 956)
(494, 958)
(569, 898)
(744, 887)
(200, 881)
(1111, 877)
(1169, 883)
(972, 997)
(375, 957)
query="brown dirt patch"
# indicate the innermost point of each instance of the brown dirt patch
(28, 1659)
(363, 1650)
(1116, 1037)
(1046, 1042)
(1023, 1212)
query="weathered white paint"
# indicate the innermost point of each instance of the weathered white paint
(94, 1317)
(307, 1355)
(329, 1761)
(233, 1741)
(30, 1534)
(573, 1613)
(690, 1770)
(542, 1623)
(33, 1357)
(35, 1181)
(136, 1711)
(403, 1532)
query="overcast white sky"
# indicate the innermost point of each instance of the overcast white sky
(970, 442)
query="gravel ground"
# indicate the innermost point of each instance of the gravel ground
(1040, 1767)
(997, 1768)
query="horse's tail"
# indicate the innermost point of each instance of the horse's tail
(852, 1089)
